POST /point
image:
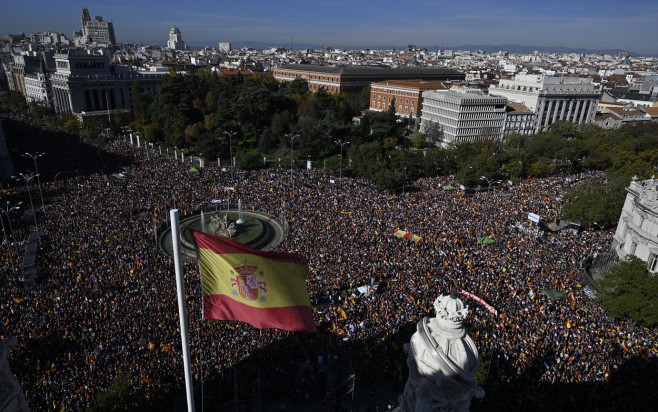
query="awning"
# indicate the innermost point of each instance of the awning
(553, 294)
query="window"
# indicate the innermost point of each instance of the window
(633, 248)
(652, 263)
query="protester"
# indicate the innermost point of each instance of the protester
(105, 301)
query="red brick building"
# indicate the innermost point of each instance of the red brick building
(348, 79)
(408, 95)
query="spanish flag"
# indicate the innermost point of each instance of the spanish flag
(264, 289)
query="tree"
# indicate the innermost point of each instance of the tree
(597, 201)
(140, 100)
(417, 140)
(14, 102)
(41, 110)
(433, 134)
(630, 291)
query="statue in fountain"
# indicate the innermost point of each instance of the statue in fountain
(221, 226)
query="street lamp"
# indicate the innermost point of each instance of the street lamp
(230, 149)
(28, 179)
(34, 156)
(292, 138)
(340, 172)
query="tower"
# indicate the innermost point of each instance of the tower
(86, 18)
(175, 41)
(442, 361)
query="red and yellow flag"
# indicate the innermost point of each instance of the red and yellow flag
(264, 289)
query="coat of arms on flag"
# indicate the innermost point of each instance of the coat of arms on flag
(249, 281)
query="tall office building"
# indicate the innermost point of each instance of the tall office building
(97, 30)
(552, 99)
(175, 41)
(463, 114)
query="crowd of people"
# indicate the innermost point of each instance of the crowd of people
(105, 301)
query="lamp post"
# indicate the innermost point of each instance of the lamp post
(28, 179)
(34, 156)
(230, 149)
(341, 143)
(292, 138)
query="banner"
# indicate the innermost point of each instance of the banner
(480, 301)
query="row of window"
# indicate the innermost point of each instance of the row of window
(396, 92)
(389, 98)
(381, 105)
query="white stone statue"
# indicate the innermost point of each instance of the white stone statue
(442, 361)
(221, 226)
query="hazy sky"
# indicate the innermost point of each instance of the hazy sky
(601, 24)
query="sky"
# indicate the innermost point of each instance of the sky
(599, 25)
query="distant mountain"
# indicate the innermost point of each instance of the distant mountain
(515, 48)
(510, 48)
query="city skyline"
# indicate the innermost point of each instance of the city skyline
(594, 25)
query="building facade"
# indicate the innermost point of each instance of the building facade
(637, 230)
(463, 114)
(38, 88)
(407, 95)
(23, 64)
(348, 79)
(519, 119)
(97, 31)
(84, 81)
(552, 99)
(175, 41)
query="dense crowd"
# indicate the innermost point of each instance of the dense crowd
(105, 302)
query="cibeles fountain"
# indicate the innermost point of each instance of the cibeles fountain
(442, 360)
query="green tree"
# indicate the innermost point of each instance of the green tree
(433, 134)
(41, 110)
(248, 160)
(14, 102)
(141, 101)
(630, 291)
(596, 201)
(417, 140)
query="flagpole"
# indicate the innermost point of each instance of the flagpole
(182, 312)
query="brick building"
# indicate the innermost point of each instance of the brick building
(408, 95)
(349, 79)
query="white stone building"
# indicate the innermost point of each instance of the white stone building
(225, 46)
(38, 88)
(97, 31)
(553, 99)
(175, 41)
(637, 230)
(463, 114)
(85, 81)
(519, 119)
